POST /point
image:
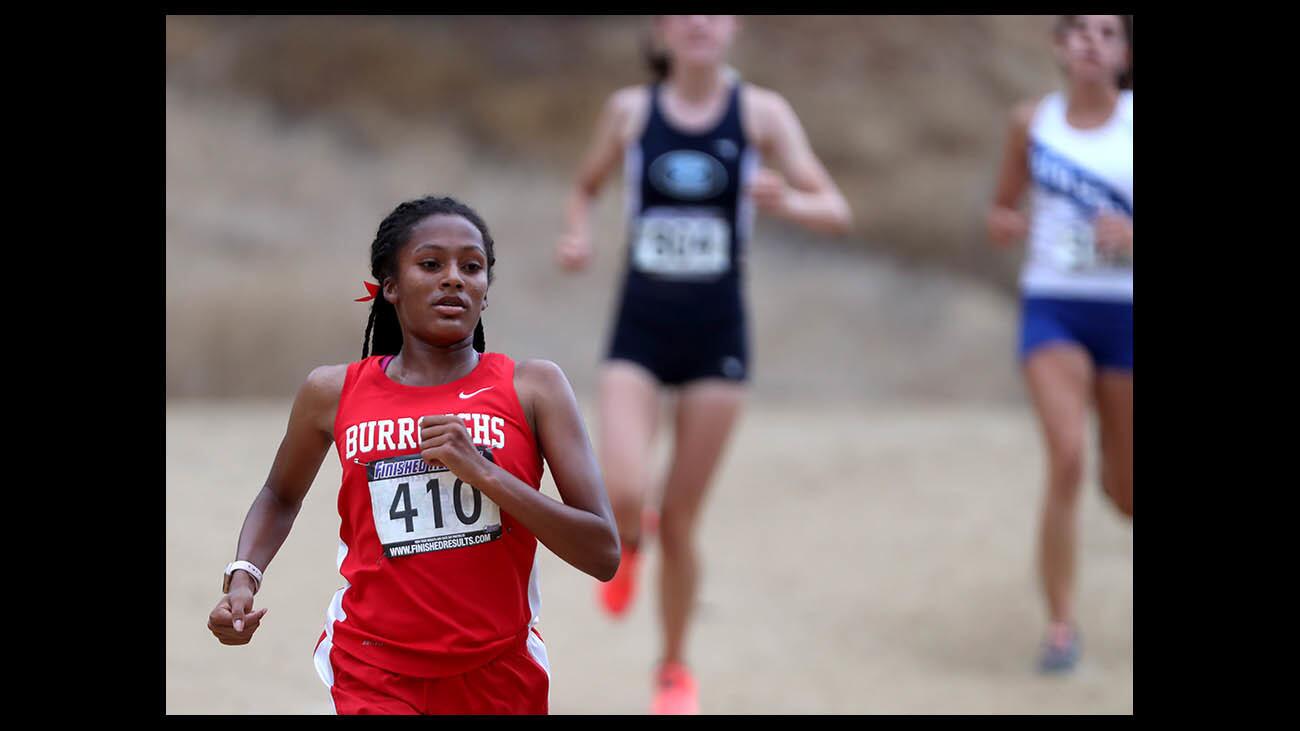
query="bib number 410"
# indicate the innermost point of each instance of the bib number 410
(408, 514)
(419, 508)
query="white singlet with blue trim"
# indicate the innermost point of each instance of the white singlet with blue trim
(1076, 174)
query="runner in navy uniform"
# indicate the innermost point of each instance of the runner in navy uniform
(691, 146)
(682, 315)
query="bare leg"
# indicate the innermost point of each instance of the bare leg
(629, 412)
(1060, 379)
(1115, 410)
(706, 413)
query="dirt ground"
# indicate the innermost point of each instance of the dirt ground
(883, 564)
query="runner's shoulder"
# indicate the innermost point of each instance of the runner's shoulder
(539, 377)
(629, 98)
(1022, 114)
(751, 93)
(540, 372)
(324, 384)
(763, 110)
(628, 104)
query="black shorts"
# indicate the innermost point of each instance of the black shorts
(677, 350)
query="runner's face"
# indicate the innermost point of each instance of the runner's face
(697, 40)
(1092, 48)
(441, 280)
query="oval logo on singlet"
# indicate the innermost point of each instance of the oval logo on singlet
(688, 174)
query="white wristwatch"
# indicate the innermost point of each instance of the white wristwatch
(252, 570)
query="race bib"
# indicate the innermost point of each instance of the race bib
(418, 508)
(682, 246)
(1076, 250)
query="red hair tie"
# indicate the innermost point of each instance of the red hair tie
(373, 289)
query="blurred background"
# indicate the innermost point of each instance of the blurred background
(893, 386)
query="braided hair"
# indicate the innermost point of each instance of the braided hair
(383, 331)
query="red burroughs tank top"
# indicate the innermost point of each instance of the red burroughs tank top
(438, 580)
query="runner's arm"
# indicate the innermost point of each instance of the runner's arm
(1005, 222)
(306, 440)
(601, 158)
(814, 200)
(233, 620)
(580, 529)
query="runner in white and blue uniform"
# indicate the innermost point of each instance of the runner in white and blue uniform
(1073, 289)
(1072, 151)
(693, 146)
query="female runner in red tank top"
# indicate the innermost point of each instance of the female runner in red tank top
(442, 447)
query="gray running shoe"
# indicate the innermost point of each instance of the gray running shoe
(1060, 652)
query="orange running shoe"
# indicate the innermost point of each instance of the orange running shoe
(675, 693)
(616, 594)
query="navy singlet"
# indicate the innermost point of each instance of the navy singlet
(681, 314)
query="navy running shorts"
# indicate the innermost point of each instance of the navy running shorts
(1104, 329)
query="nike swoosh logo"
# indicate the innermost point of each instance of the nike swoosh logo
(468, 395)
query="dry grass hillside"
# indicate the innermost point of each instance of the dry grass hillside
(289, 138)
(906, 111)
